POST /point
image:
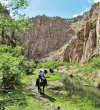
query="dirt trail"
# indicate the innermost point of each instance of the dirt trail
(43, 101)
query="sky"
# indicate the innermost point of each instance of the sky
(61, 8)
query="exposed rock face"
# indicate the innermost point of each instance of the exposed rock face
(89, 47)
(98, 33)
(76, 39)
(46, 34)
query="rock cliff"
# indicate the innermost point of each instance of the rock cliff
(76, 39)
(46, 35)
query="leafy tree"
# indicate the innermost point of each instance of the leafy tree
(3, 8)
(29, 66)
(14, 26)
(14, 5)
(11, 65)
(11, 59)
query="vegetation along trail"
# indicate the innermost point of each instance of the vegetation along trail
(67, 49)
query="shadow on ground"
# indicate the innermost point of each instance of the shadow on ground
(49, 98)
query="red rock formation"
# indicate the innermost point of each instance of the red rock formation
(98, 33)
(68, 40)
(86, 31)
(46, 34)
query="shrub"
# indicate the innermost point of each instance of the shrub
(29, 66)
(10, 66)
(52, 63)
(93, 65)
(13, 66)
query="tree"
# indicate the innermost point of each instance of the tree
(11, 66)
(14, 5)
(13, 25)
(11, 60)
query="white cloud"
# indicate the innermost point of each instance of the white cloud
(4, 1)
(77, 14)
(95, 1)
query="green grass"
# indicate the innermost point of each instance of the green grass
(32, 104)
(91, 66)
(52, 63)
(74, 102)
(53, 77)
(71, 103)
(27, 79)
(21, 100)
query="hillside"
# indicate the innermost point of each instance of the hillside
(75, 39)
(58, 81)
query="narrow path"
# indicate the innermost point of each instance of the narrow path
(43, 101)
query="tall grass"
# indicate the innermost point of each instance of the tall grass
(52, 63)
(93, 65)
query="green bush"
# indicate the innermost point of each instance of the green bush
(13, 66)
(52, 63)
(29, 66)
(10, 65)
(93, 65)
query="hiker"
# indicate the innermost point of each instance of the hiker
(41, 81)
(41, 75)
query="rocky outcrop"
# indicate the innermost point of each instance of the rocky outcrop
(89, 47)
(98, 33)
(76, 39)
(46, 35)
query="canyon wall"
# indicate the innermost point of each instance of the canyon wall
(76, 39)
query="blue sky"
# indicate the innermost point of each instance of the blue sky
(61, 8)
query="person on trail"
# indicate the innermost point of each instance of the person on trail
(41, 77)
(41, 73)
